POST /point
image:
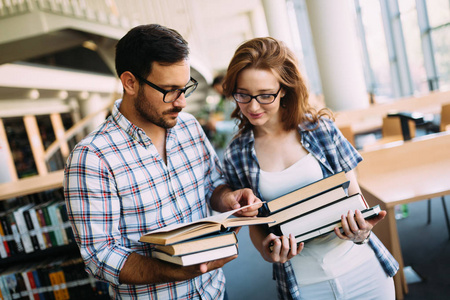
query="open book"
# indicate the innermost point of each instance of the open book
(217, 223)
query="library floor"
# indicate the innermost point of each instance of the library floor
(426, 249)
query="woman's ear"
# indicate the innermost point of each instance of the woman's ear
(129, 82)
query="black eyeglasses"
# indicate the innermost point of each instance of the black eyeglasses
(172, 95)
(262, 98)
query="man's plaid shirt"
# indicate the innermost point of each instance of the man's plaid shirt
(117, 187)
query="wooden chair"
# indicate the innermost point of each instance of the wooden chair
(347, 132)
(445, 118)
(391, 131)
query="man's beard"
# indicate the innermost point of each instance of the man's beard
(149, 112)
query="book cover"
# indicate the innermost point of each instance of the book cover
(184, 231)
(367, 214)
(308, 191)
(198, 257)
(207, 242)
(310, 204)
(324, 215)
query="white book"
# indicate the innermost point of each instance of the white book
(197, 257)
(368, 213)
(22, 228)
(323, 216)
(308, 205)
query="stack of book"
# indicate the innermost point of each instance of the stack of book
(316, 209)
(199, 241)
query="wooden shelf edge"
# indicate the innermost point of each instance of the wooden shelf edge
(31, 185)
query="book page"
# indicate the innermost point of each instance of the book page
(218, 218)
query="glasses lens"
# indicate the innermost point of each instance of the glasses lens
(242, 98)
(189, 90)
(265, 98)
(172, 96)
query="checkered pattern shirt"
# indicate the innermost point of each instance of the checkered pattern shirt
(117, 187)
(334, 153)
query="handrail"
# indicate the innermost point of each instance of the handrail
(71, 132)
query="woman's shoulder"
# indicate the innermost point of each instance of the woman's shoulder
(239, 143)
(323, 123)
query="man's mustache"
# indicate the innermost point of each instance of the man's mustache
(174, 110)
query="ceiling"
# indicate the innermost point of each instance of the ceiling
(81, 40)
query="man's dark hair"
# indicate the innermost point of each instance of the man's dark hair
(145, 44)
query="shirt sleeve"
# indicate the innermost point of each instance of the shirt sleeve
(94, 212)
(230, 170)
(214, 175)
(348, 156)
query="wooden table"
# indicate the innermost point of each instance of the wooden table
(371, 118)
(402, 173)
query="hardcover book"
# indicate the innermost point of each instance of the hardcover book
(184, 231)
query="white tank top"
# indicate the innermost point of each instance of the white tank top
(324, 257)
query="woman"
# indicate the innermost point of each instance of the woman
(282, 145)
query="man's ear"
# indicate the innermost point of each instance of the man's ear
(129, 82)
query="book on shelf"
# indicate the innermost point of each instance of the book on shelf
(34, 226)
(310, 204)
(4, 247)
(12, 226)
(9, 238)
(197, 257)
(211, 241)
(28, 244)
(184, 231)
(311, 190)
(324, 216)
(43, 225)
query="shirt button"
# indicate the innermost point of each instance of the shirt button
(323, 159)
(307, 145)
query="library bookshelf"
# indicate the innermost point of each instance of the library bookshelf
(37, 248)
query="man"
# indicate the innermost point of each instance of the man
(147, 166)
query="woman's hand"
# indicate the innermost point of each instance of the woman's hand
(280, 249)
(355, 228)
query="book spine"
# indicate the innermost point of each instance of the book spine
(55, 224)
(37, 229)
(4, 249)
(50, 227)
(44, 227)
(62, 225)
(23, 230)
(29, 293)
(16, 235)
(6, 295)
(9, 238)
(31, 231)
(67, 226)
